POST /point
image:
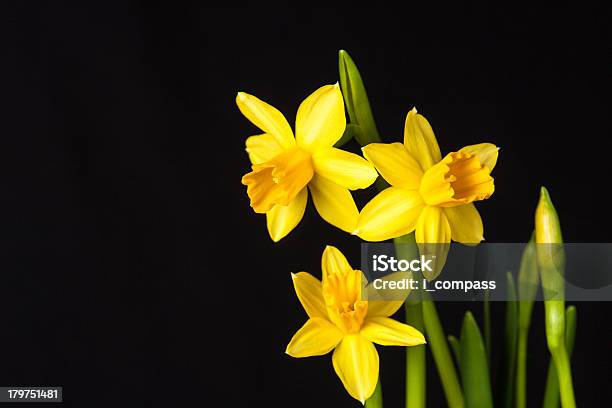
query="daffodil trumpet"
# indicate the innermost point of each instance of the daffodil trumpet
(342, 320)
(285, 167)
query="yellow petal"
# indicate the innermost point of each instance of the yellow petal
(267, 118)
(433, 227)
(262, 148)
(395, 164)
(334, 203)
(317, 337)
(433, 235)
(333, 262)
(486, 152)
(384, 308)
(320, 120)
(465, 224)
(389, 332)
(420, 140)
(391, 213)
(343, 168)
(282, 219)
(356, 363)
(310, 293)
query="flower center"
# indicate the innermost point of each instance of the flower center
(457, 179)
(342, 294)
(278, 180)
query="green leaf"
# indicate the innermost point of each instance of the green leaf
(456, 347)
(507, 378)
(436, 342)
(356, 100)
(474, 367)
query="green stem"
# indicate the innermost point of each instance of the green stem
(487, 325)
(442, 356)
(528, 280)
(415, 358)
(551, 395)
(406, 248)
(510, 339)
(521, 368)
(376, 400)
(564, 375)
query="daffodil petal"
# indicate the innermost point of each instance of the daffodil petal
(334, 203)
(433, 235)
(267, 118)
(310, 293)
(390, 214)
(282, 219)
(344, 168)
(420, 140)
(356, 362)
(320, 120)
(395, 164)
(384, 308)
(465, 224)
(333, 262)
(433, 227)
(487, 153)
(316, 337)
(389, 332)
(262, 148)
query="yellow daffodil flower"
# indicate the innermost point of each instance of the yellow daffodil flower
(340, 320)
(284, 165)
(428, 193)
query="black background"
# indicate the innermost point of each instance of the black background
(133, 270)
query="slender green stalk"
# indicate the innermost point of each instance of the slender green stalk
(442, 356)
(551, 396)
(521, 370)
(376, 400)
(527, 290)
(487, 325)
(564, 375)
(510, 339)
(415, 358)
(406, 248)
